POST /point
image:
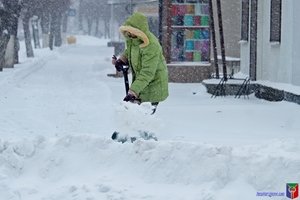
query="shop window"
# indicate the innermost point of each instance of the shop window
(190, 39)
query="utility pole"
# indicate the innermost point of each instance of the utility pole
(222, 39)
(214, 43)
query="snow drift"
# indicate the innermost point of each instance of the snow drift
(54, 168)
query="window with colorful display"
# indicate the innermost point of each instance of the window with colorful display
(190, 31)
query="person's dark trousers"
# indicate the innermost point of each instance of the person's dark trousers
(154, 104)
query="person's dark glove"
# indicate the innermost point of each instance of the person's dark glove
(119, 65)
(129, 97)
(132, 97)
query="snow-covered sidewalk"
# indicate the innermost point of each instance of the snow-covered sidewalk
(58, 111)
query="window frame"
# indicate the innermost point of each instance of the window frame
(245, 20)
(275, 20)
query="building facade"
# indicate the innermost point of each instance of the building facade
(186, 36)
(270, 46)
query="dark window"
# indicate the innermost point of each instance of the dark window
(245, 20)
(275, 26)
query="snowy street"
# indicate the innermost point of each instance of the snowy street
(59, 109)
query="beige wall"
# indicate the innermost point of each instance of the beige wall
(231, 16)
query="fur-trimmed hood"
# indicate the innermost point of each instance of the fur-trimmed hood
(137, 24)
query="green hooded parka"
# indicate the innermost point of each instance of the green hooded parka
(145, 57)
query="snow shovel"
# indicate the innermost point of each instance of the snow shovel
(124, 69)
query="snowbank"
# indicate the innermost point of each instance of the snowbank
(57, 168)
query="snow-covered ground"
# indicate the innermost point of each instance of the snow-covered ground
(59, 109)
